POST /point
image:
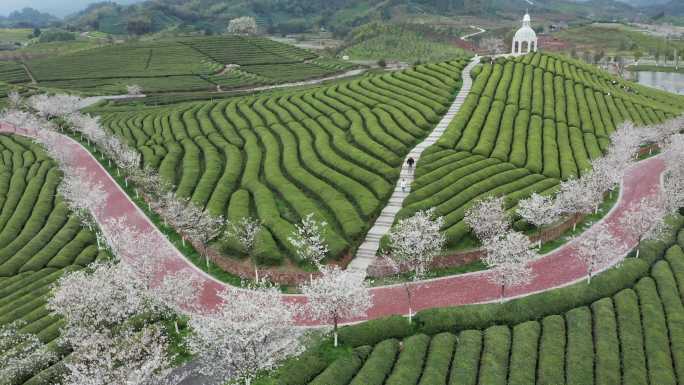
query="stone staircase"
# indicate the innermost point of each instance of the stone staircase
(366, 253)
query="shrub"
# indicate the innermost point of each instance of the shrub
(374, 331)
(580, 347)
(439, 359)
(631, 337)
(341, 371)
(493, 367)
(552, 351)
(660, 366)
(410, 362)
(379, 364)
(524, 353)
(606, 343)
(466, 360)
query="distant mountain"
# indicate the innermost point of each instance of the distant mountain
(339, 16)
(28, 18)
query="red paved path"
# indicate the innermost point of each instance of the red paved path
(556, 269)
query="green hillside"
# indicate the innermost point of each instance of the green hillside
(182, 64)
(625, 328)
(39, 239)
(332, 151)
(527, 124)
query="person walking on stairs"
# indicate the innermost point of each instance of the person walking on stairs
(402, 184)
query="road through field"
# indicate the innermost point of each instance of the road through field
(556, 269)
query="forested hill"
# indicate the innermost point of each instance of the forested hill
(286, 16)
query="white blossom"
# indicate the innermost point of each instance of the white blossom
(98, 297)
(124, 356)
(645, 219)
(413, 243)
(22, 353)
(250, 332)
(508, 256)
(597, 247)
(487, 218)
(244, 232)
(539, 210)
(14, 100)
(337, 295)
(49, 106)
(308, 240)
(84, 195)
(243, 25)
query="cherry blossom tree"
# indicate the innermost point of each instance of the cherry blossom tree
(22, 353)
(645, 220)
(539, 210)
(597, 247)
(21, 119)
(413, 243)
(14, 100)
(576, 197)
(337, 295)
(245, 232)
(203, 228)
(84, 196)
(308, 240)
(99, 297)
(508, 256)
(251, 331)
(243, 25)
(487, 218)
(96, 304)
(88, 126)
(178, 293)
(49, 106)
(124, 356)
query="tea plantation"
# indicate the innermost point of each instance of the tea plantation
(333, 151)
(627, 327)
(527, 123)
(185, 64)
(39, 239)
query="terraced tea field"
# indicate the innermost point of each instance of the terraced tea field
(332, 151)
(39, 239)
(633, 336)
(527, 123)
(187, 64)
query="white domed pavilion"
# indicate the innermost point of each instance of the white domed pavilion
(525, 39)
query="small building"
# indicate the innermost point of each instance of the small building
(525, 39)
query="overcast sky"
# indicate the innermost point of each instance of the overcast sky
(56, 7)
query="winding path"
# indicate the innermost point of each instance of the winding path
(556, 269)
(366, 253)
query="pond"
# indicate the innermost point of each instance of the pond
(668, 81)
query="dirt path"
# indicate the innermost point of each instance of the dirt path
(556, 269)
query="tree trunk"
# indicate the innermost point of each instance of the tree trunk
(256, 273)
(589, 276)
(175, 324)
(408, 296)
(335, 332)
(501, 298)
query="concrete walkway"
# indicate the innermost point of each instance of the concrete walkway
(366, 253)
